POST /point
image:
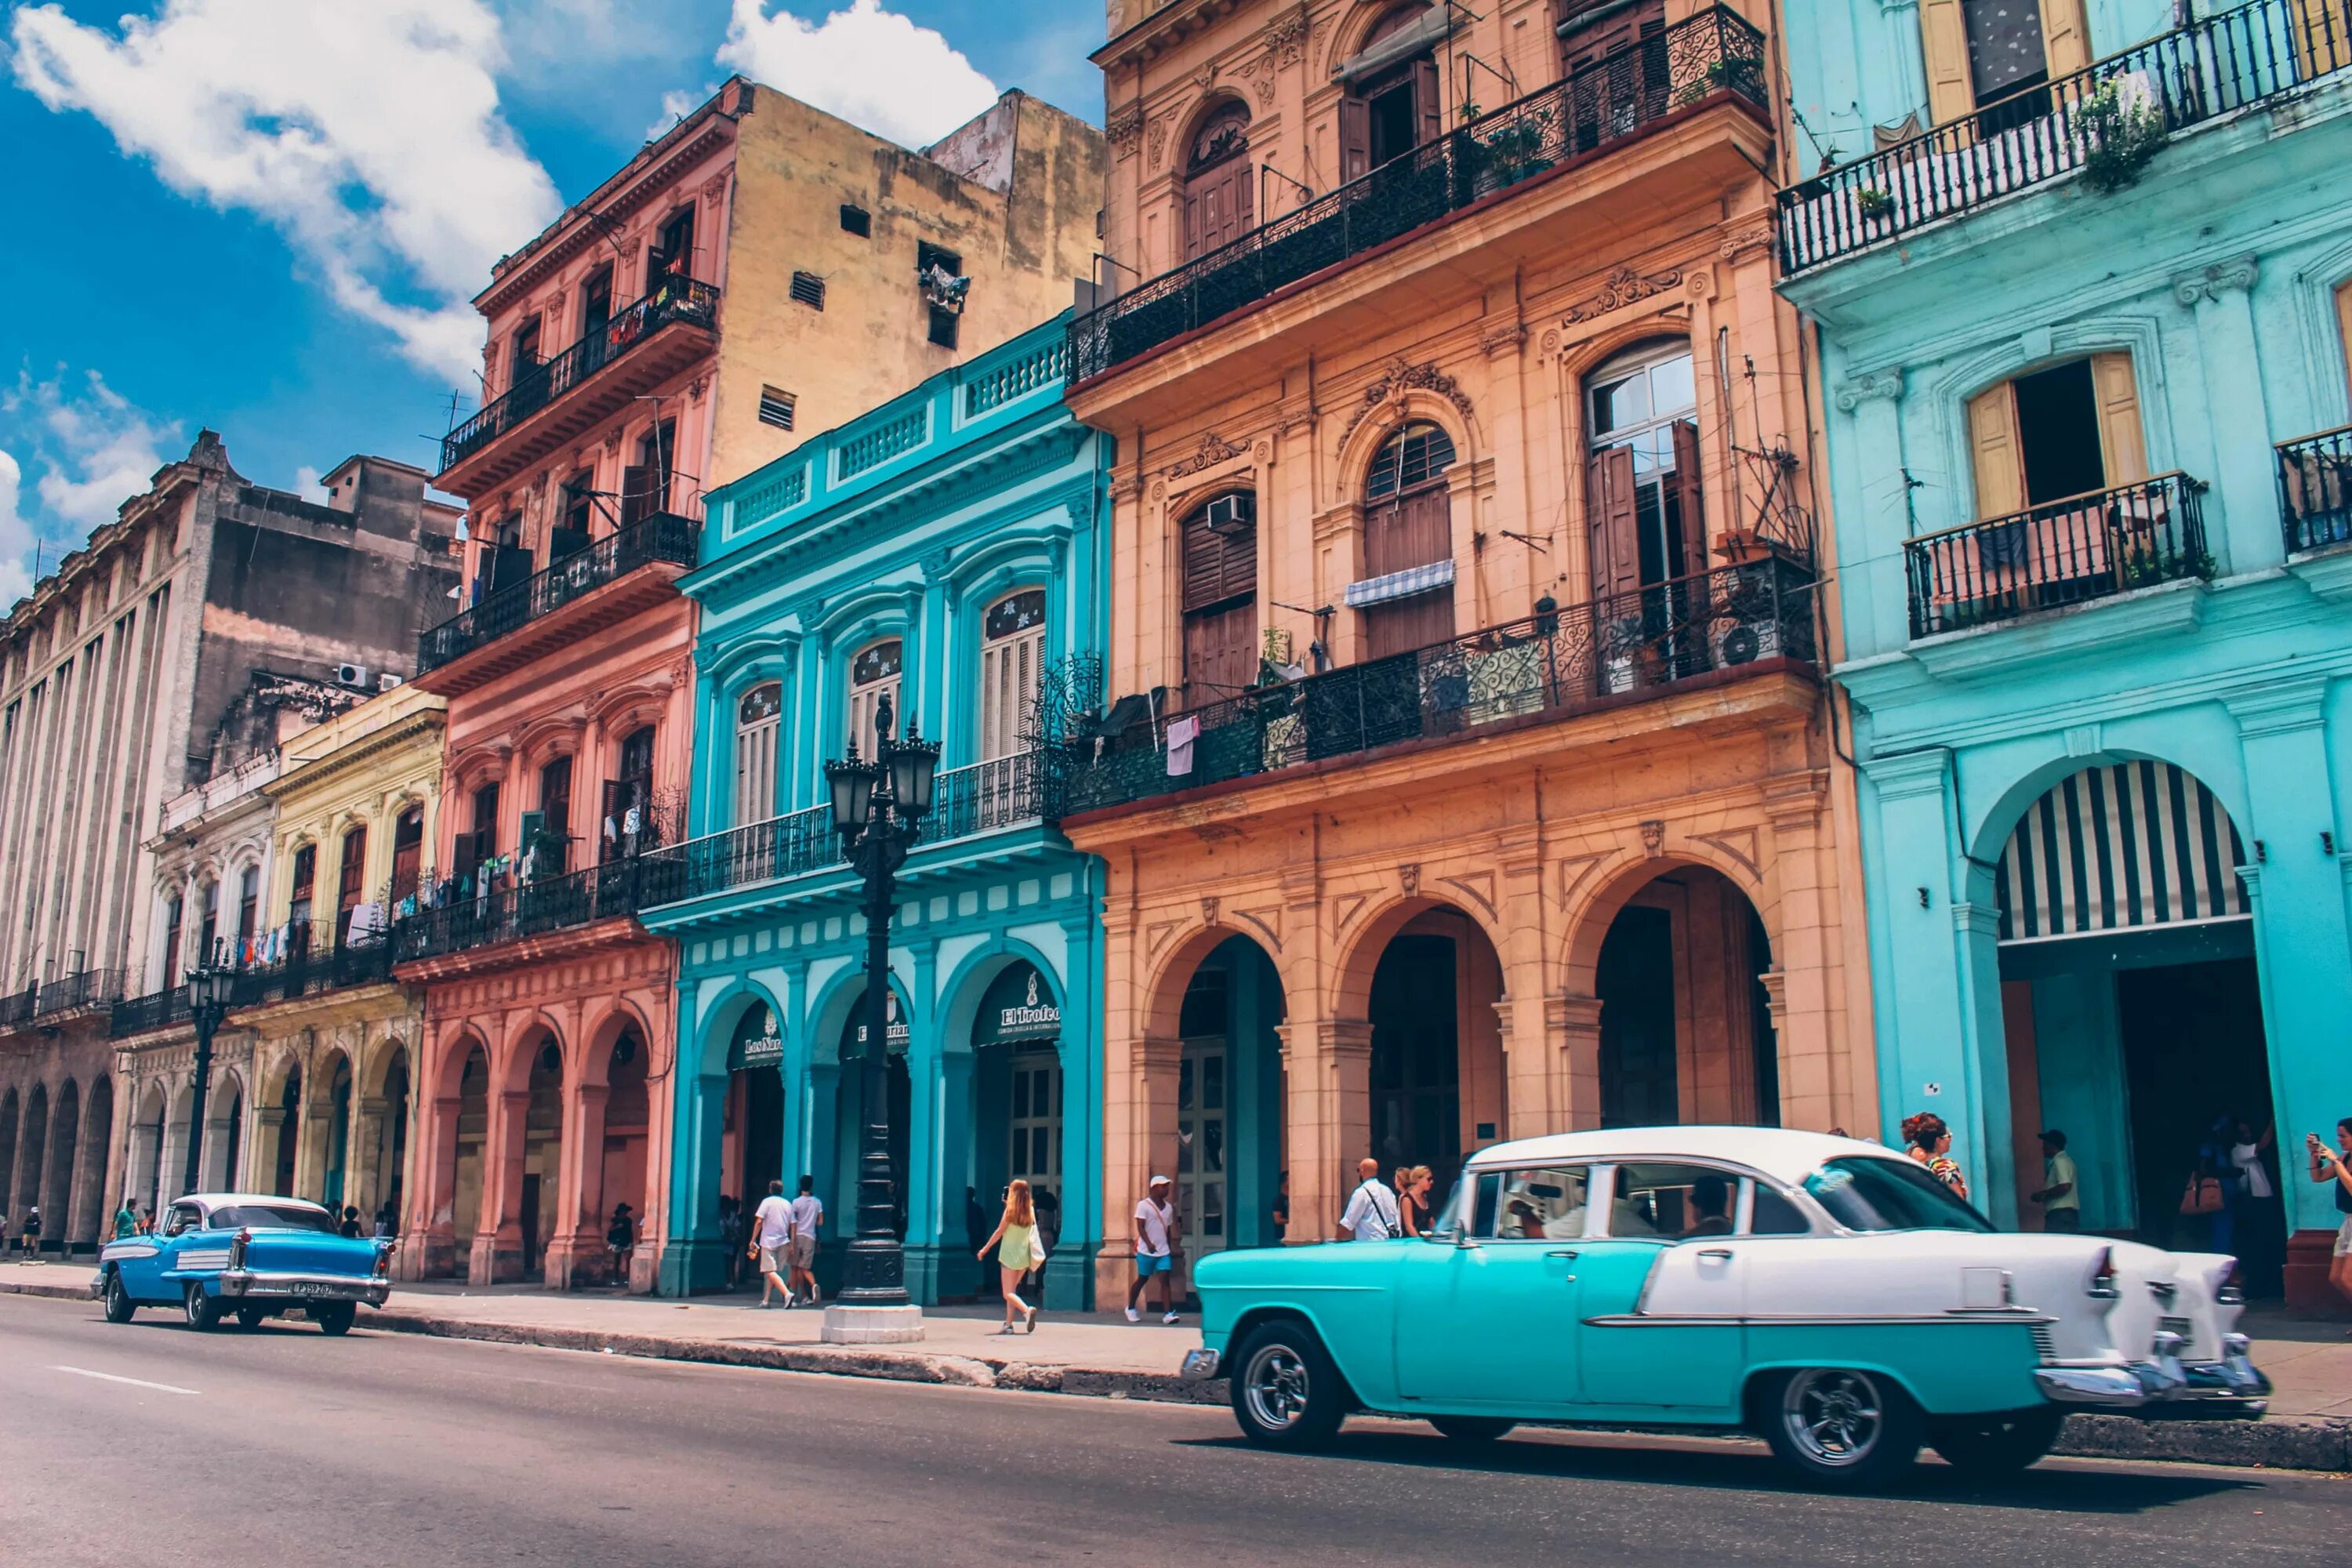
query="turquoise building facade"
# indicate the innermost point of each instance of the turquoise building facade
(2081, 281)
(939, 563)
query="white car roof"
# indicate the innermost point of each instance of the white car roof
(1778, 1152)
(212, 1201)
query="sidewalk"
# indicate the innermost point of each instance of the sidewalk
(1101, 1354)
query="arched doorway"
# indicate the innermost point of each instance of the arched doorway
(2131, 1011)
(147, 1150)
(620, 1169)
(1436, 1068)
(1016, 1102)
(289, 1133)
(227, 1174)
(337, 1153)
(1393, 101)
(57, 1187)
(34, 1152)
(388, 1161)
(1230, 1126)
(751, 1126)
(1220, 190)
(92, 1205)
(542, 1157)
(1687, 1029)
(8, 1119)
(853, 1114)
(468, 1136)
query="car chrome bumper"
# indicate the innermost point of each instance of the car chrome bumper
(1200, 1365)
(2164, 1385)
(251, 1285)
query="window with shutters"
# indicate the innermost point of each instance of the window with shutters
(480, 842)
(208, 923)
(645, 484)
(776, 408)
(1995, 56)
(874, 695)
(856, 220)
(248, 908)
(2067, 430)
(1012, 652)
(298, 911)
(351, 881)
(1394, 108)
(550, 856)
(1220, 188)
(1220, 557)
(1407, 523)
(808, 289)
(672, 252)
(172, 932)
(1642, 504)
(758, 721)
(2344, 326)
(630, 825)
(408, 853)
(1614, 56)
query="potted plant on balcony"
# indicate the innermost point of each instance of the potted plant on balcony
(1514, 151)
(1872, 202)
(2120, 129)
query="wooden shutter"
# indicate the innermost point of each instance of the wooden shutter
(1944, 41)
(2344, 326)
(1218, 207)
(2065, 38)
(637, 486)
(1691, 496)
(1219, 652)
(1993, 453)
(1427, 102)
(1616, 545)
(2123, 449)
(1355, 138)
(1411, 531)
(1008, 684)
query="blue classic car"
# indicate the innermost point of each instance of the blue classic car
(1827, 1294)
(251, 1255)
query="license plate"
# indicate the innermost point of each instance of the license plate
(312, 1288)
(2186, 1328)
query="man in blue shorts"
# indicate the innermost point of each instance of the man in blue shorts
(1155, 1233)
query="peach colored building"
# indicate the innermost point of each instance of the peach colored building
(1474, 776)
(762, 268)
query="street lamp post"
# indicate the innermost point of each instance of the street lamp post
(208, 995)
(878, 809)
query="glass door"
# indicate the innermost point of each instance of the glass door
(1200, 1147)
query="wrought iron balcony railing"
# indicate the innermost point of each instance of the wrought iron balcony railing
(1621, 95)
(665, 536)
(2115, 111)
(367, 961)
(16, 1007)
(499, 914)
(981, 799)
(89, 988)
(672, 299)
(1552, 664)
(156, 1010)
(2314, 477)
(2062, 552)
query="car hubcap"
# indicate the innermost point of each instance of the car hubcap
(1834, 1417)
(194, 1303)
(1275, 1386)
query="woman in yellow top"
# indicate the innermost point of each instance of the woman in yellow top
(1015, 1242)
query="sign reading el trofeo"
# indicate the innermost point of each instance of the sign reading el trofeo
(1029, 1018)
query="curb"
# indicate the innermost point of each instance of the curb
(2282, 1443)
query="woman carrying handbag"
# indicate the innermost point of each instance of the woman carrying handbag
(1018, 1250)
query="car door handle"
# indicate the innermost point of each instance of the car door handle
(1569, 1254)
(1723, 1252)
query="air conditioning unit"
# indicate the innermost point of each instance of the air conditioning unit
(386, 682)
(351, 675)
(1232, 515)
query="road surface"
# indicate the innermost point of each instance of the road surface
(143, 1446)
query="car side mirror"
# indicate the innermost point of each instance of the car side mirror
(1462, 1237)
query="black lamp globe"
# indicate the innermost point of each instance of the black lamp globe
(852, 783)
(914, 763)
(209, 988)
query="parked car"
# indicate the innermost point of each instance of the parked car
(252, 1255)
(1824, 1293)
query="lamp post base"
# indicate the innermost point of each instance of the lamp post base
(855, 1325)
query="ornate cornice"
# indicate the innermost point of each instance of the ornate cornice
(2209, 283)
(1623, 288)
(1399, 378)
(1869, 388)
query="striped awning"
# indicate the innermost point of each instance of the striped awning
(2127, 848)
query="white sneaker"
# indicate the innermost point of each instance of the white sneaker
(1169, 1319)
(1133, 1316)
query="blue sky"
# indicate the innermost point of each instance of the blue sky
(264, 216)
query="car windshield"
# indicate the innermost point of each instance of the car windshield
(272, 1216)
(1864, 1193)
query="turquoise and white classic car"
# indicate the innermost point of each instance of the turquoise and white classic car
(1827, 1294)
(252, 1256)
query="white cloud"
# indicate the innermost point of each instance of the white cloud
(873, 68)
(370, 132)
(308, 485)
(16, 535)
(97, 449)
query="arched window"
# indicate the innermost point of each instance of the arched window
(630, 825)
(297, 909)
(758, 719)
(1012, 651)
(248, 910)
(1642, 504)
(1219, 191)
(174, 914)
(208, 921)
(1407, 595)
(351, 881)
(1220, 551)
(408, 853)
(1393, 103)
(873, 684)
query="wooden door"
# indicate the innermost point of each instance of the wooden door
(1413, 529)
(1218, 206)
(1613, 524)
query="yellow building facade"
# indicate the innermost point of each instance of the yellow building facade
(1469, 772)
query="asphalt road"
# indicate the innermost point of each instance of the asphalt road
(145, 1445)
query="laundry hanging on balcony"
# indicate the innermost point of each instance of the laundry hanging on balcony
(2130, 847)
(1399, 584)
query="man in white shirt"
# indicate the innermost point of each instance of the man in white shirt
(1371, 1213)
(808, 1218)
(772, 1233)
(1155, 1233)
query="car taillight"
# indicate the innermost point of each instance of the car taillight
(236, 1248)
(382, 1258)
(2233, 1292)
(2103, 1276)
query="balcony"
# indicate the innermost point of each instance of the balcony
(2084, 121)
(611, 891)
(595, 587)
(2315, 476)
(81, 991)
(145, 1015)
(1629, 648)
(1621, 97)
(1009, 792)
(2062, 552)
(364, 962)
(550, 403)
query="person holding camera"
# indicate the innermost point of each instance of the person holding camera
(2328, 1165)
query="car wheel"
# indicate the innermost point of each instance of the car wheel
(119, 1304)
(1287, 1393)
(1471, 1429)
(252, 1317)
(200, 1310)
(1841, 1428)
(335, 1316)
(1996, 1445)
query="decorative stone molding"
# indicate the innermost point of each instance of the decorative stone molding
(1209, 912)
(1214, 449)
(1408, 878)
(2209, 283)
(1623, 288)
(1285, 37)
(1869, 388)
(1124, 130)
(1503, 339)
(1699, 285)
(1741, 241)
(1397, 379)
(1654, 838)
(2084, 740)
(1157, 143)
